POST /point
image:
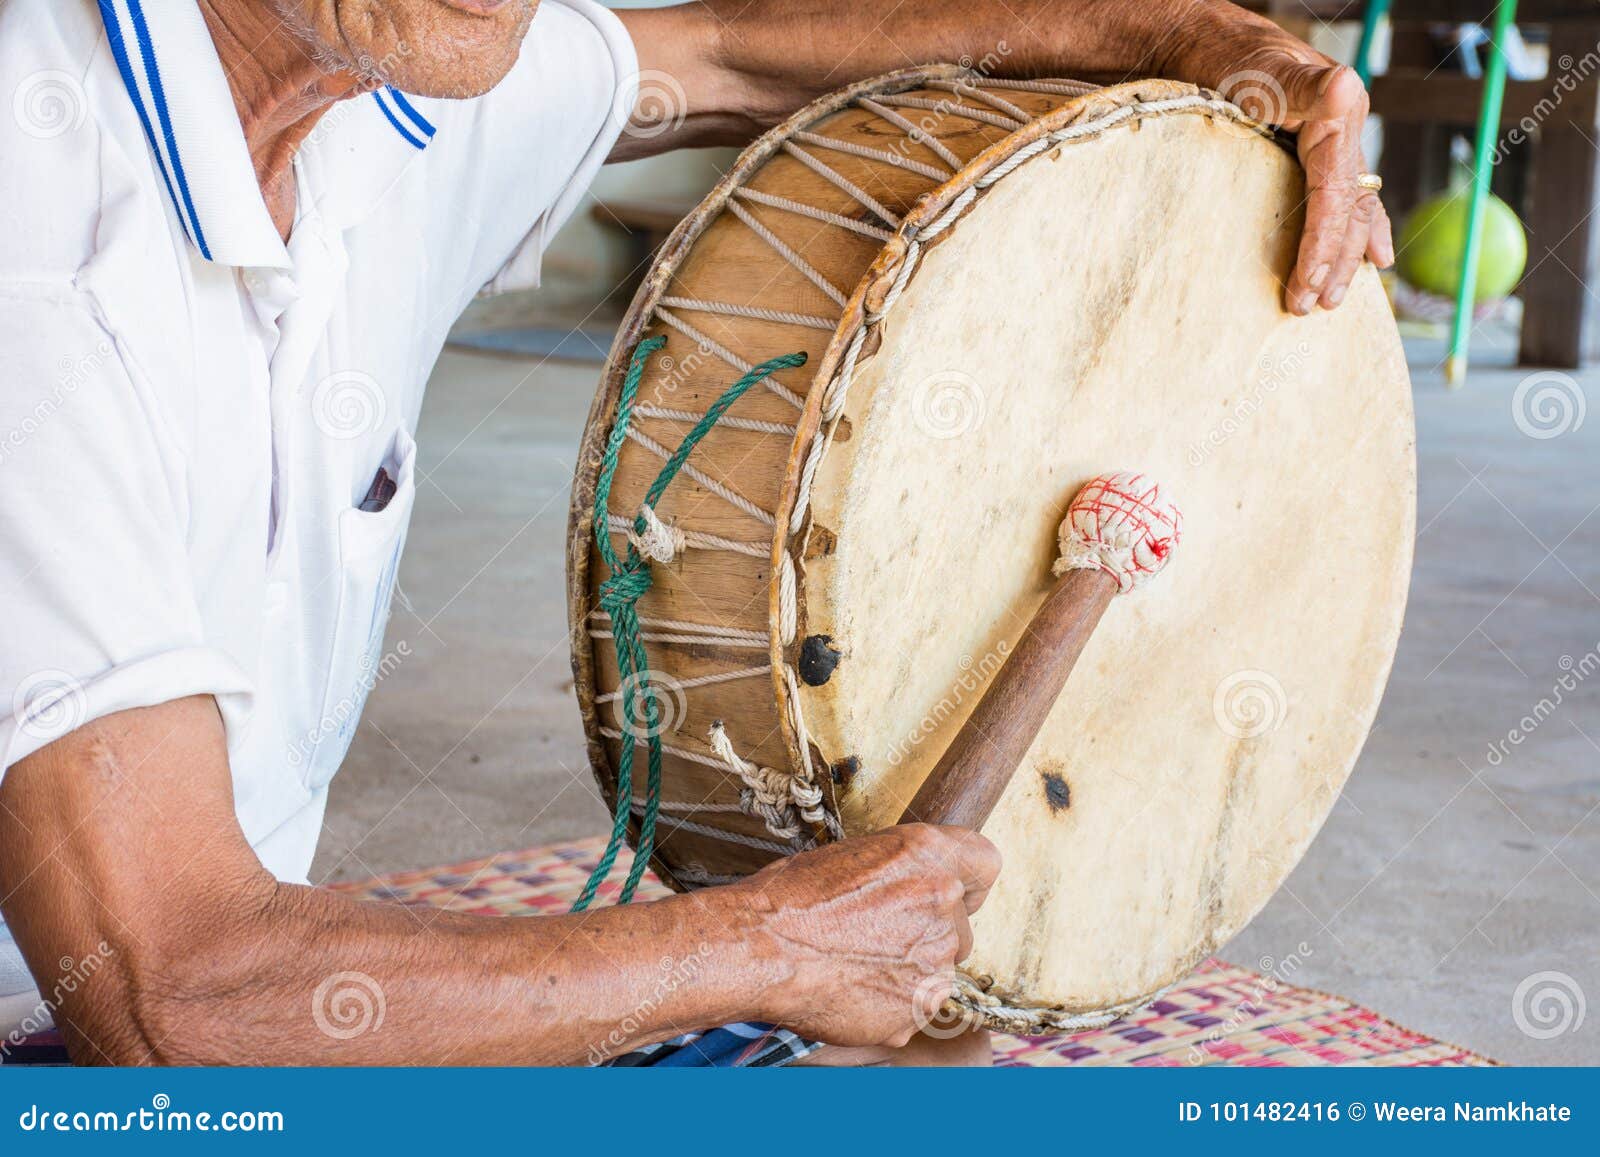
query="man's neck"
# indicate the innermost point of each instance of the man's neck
(280, 91)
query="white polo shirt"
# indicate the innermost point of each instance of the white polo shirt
(192, 411)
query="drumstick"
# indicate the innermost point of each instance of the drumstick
(1119, 532)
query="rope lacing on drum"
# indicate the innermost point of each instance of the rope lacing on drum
(620, 593)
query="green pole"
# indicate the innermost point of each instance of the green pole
(1373, 16)
(1494, 90)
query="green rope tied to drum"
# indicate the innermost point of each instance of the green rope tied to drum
(619, 596)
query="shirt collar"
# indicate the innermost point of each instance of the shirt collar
(170, 67)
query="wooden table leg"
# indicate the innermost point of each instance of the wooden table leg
(1561, 316)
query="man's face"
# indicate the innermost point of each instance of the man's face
(442, 48)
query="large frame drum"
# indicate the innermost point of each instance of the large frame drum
(1005, 288)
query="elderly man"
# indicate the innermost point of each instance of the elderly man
(217, 216)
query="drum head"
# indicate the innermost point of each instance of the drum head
(1116, 304)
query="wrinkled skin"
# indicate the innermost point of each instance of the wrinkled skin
(124, 831)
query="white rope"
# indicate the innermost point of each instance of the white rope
(727, 355)
(730, 837)
(1055, 87)
(988, 98)
(882, 156)
(788, 611)
(934, 145)
(743, 633)
(840, 182)
(696, 539)
(945, 107)
(690, 640)
(729, 495)
(804, 210)
(699, 681)
(755, 312)
(691, 418)
(807, 270)
(767, 795)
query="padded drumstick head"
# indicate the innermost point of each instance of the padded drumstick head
(1122, 524)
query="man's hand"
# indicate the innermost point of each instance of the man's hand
(1303, 91)
(871, 930)
(740, 66)
(121, 838)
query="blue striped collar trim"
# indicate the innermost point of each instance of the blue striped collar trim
(413, 127)
(169, 66)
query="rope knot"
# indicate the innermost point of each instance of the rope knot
(656, 540)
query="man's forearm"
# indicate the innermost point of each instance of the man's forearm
(297, 972)
(744, 66)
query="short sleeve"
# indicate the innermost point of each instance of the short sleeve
(528, 150)
(100, 607)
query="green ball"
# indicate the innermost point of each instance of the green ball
(1431, 244)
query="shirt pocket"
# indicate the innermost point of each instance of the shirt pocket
(370, 544)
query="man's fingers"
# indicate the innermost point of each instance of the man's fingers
(1352, 248)
(963, 937)
(1327, 218)
(1380, 242)
(977, 862)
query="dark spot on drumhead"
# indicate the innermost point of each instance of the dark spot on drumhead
(845, 770)
(817, 660)
(1056, 792)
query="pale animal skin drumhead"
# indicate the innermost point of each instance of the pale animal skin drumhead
(1116, 305)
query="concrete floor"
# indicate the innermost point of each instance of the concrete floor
(1444, 880)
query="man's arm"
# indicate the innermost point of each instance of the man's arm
(123, 834)
(744, 65)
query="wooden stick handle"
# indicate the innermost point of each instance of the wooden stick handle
(976, 769)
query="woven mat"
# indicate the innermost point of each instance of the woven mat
(1221, 1014)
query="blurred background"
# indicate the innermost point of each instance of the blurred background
(1464, 857)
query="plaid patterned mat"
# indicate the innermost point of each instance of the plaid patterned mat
(1221, 1014)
